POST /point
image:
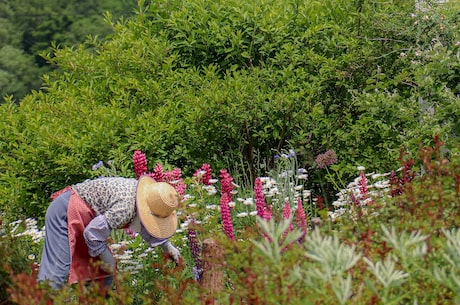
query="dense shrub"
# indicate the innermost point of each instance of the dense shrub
(230, 83)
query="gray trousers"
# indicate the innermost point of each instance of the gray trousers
(55, 261)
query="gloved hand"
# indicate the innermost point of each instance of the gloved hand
(108, 261)
(171, 250)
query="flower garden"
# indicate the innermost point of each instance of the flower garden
(315, 145)
(389, 238)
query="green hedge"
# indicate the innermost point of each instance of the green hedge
(232, 82)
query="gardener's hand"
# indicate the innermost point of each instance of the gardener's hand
(108, 261)
(171, 250)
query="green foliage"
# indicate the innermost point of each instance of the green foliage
(401, 249)
(229, 81)
(31, 27)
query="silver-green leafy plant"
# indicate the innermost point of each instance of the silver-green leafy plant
(275, 242)
(408, 246)
(333, 259)
(450, 275)
(388, 276)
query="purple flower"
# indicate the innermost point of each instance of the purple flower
(276, 157)
(97, 165)
(326, 159)
(195, 249)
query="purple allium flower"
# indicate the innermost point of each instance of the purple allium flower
(97, 165)
(301, 219)
(259, 197)
(326, 159)
(140, 163)
(226, 217)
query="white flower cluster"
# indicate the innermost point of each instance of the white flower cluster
(31, 229)
(378, 185)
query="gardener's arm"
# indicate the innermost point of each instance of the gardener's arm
(96, 234)
(163, 242)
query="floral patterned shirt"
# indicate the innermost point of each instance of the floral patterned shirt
(113, 197)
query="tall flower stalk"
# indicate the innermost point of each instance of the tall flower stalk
(157, 174)
(140, 163)
(286, 216)
(226, 217)
(226, 185)
(301, 220)
(259, 197)
(194, 249)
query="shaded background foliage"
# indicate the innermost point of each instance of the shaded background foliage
(28, 27)
(230, 83)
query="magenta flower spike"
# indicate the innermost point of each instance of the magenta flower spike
(363, 185)
(267, 213)
(207, 176)
(301, 219)
(259, 197)
(226, 186)
(157, 174)
(287, 215)
(226, 217)
(140, 163)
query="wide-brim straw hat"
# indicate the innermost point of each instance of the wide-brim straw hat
(156, 205)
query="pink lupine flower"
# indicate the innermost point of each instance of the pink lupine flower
(140, 163)
(267, 213)
(355, 200)
(259, 196)
(157, 174)
(206, 174)
(226, 217)
(301, 219)
(287, 215)
(180, 187)
(226, 185)
(363, 189)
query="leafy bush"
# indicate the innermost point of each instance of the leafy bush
(227, 82)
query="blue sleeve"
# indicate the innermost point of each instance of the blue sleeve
(151, 240)
(96, 234)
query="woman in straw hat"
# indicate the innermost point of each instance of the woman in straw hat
(80, 218)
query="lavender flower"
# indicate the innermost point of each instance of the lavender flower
(195, 250)
(97, 165)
